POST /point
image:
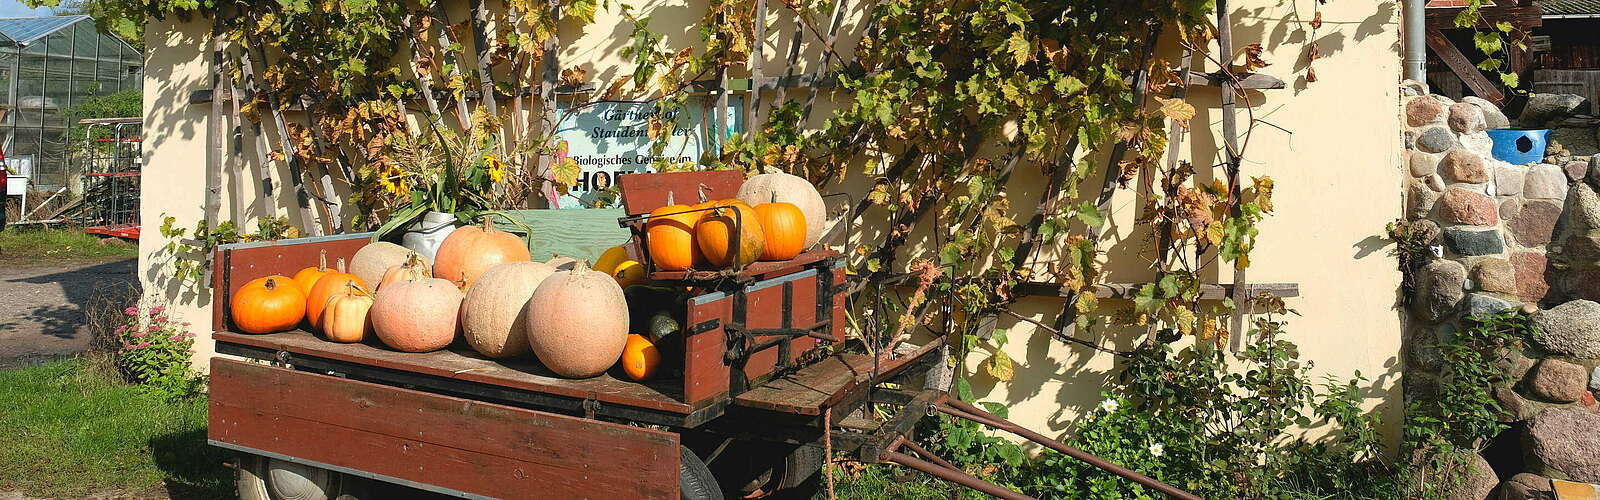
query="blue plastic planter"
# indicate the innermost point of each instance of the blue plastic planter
(1518, 146)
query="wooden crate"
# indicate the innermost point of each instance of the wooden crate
(710, 375)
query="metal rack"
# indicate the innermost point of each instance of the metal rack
(111, 181)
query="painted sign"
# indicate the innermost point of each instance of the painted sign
(611, 138)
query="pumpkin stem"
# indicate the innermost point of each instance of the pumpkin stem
(322, 260)
(669, 198)
(271, 284)
(703, 188)
(353, 289)
(341, 264)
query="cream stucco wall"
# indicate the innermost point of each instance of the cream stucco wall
(1334, 149)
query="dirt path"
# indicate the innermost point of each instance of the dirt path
(42, 305)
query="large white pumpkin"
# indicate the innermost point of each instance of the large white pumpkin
(781, 187)
(494, 314)
(578, 322)
(371, 261)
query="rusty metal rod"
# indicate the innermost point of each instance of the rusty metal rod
(975, 418)
(1136, 477)
(954, 476)
(927, 454)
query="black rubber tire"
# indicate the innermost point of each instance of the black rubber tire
(694, 478)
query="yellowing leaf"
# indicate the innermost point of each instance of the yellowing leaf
(1020, 47)
(1178, 110)
(879, 194)
(1183, 318)
(1263, 192)
(999, 367)
(566, 173)
(1215, 232)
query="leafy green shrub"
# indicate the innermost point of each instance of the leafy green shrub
(1462, 414)
(154, 351)
(1193, 421)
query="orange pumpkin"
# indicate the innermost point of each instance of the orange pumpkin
(717, 230)
(413, 269)
(471, 250)
(334, 283)
(670, 233)
(640, 358)
(266, 305)
(308, 277)
(784, 226)
(345, 318)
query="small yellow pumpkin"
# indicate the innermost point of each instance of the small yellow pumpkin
(628, 273)
(608, 261)
(346, 318)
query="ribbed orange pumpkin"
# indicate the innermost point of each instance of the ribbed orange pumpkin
(414, 268)
(307, 278)
(330, 284)
(471, 250)
(345, 318)
(670, 234)
(266, 305)
(716, 231)
(784, 226)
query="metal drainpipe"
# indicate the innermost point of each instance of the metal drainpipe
(1416, 55)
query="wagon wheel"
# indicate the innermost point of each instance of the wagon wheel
(262, 478)
(694, 478)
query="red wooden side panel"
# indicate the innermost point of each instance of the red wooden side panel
(235, 265)
(642, 193)
(705, 374)
(464, 445)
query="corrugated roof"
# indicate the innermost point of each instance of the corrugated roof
(1569, 7)
(28, 29)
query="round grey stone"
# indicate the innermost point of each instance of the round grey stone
(1439, 289)
(1492, 116)
(1436, 140)
(1421, 164)
(1572, 328)
(1483, 305)
(1466, 118)
(1467, 242)
(1420, 201)
(1542, 108)
(1526, 486)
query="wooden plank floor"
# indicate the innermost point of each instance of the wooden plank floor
(463, 364)
(823, 384)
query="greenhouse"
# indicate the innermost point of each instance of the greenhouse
(48, 66)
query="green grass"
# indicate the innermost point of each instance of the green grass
(891, 483)
(67, 430)
(60, 244)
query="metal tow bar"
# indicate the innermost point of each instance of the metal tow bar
(886, 446)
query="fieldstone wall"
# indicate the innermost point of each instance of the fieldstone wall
(1503, 236)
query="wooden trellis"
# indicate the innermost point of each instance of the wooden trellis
(324, 216)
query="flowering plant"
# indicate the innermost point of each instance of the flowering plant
(154, 350)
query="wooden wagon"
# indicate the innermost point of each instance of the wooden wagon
(759, 392)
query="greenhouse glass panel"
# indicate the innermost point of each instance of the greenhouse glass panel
(49, 65)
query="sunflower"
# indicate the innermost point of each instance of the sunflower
(497, 168)
(393, 180)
